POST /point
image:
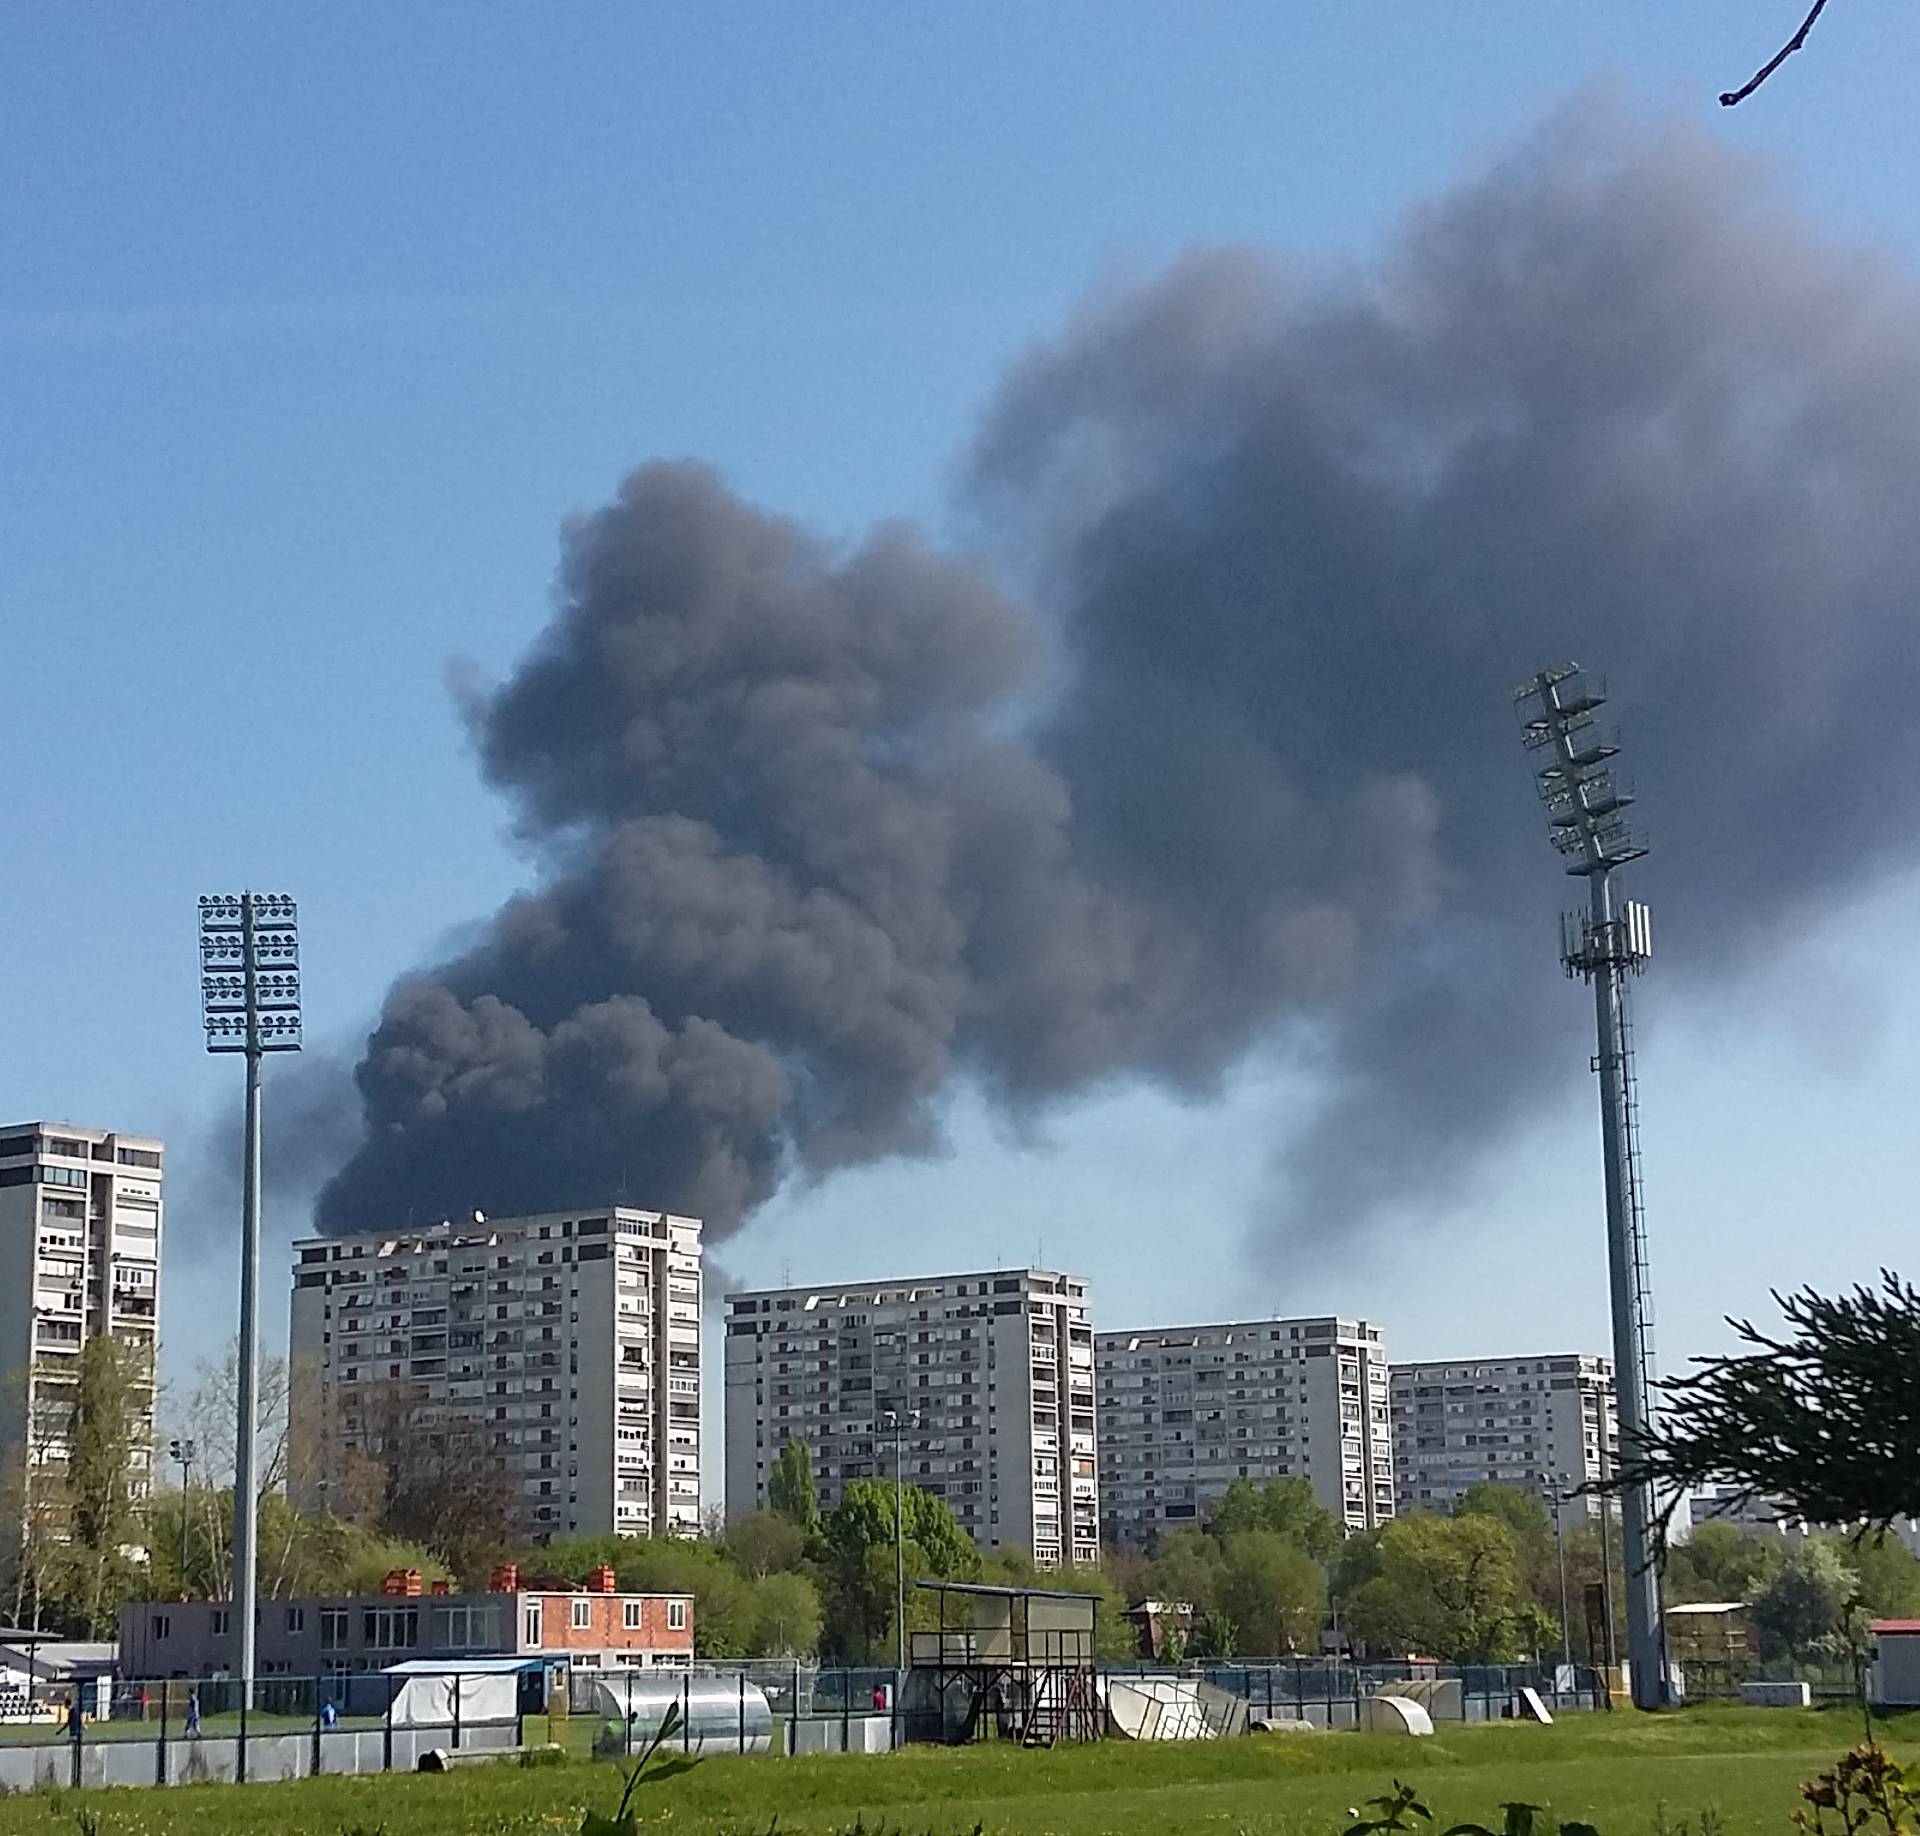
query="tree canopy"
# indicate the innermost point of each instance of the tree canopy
(1823, 1416)
(791, 1492)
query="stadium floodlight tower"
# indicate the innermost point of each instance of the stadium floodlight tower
(1586, 815)
(249, 1002)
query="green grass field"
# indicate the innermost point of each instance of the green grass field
(1622, 1772)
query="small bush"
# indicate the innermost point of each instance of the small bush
(610, 1742)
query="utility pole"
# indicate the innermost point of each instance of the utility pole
(250, 1002)
(1585, 808)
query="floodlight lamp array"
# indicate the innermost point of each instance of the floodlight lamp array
(267, 1018)
(1585, 802)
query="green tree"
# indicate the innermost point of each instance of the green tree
(1186, 1570)
(102, 1524)
(1802, 1606)
(765, 1543)
(1720, 1561)
(1530, 1521)
(1274, 1592)
(791, 1492)
(857, 1547)
(1286, 1507)
(784, 1617)
(1889, 1576)
(1216, 1636)
(1448, 1588)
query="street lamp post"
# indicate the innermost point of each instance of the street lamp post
(181, 1451)
(250, 1002)
(1560, 1550)
(898, 1423)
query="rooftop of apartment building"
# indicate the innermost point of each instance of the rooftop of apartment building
(1302, 1326)
(78, 1141)
(1526, 1365)
(478, 1228)
(905, 1290)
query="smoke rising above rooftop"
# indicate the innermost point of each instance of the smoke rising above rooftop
(822, 831)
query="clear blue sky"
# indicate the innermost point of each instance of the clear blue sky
(315, 323)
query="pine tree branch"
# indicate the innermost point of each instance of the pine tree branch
(1733, 96)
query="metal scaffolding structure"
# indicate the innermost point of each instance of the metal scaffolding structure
(1016, 1663)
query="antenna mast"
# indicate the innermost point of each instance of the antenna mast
(1585, 808)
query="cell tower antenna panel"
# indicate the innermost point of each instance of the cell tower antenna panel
(1585, 803)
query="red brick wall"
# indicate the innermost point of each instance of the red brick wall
(608, 1630)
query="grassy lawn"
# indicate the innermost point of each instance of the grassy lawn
(1618, 1771)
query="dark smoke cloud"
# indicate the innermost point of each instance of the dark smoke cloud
(824, 832)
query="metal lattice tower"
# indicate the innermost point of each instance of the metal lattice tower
(1586, 815)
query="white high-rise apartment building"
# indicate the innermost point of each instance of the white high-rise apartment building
(989, 1376)
(566, 1346)
(80, 1224)
(1186, 1410)
(1542, 1424)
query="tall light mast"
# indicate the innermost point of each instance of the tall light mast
(1586, 817)
(250, 1003)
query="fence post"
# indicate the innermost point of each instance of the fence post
(629, 1713)
(240, 1764)
(456, 1708)
(846, 1709)
(386, 1742)
(743, 1711)
(160, 1757)
(316, 1727)
(686, 1712)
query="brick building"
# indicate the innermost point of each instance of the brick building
(595, 1627)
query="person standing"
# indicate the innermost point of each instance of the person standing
(193, 1714)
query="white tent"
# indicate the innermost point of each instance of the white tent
(457, 1692)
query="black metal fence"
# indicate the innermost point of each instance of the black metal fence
(1329, 1693)
(170, 1731)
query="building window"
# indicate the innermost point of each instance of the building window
(333, 1628)
(390, 1628)
(162, 1625)
(218, 1626)
(296, 1619)
(676, 1615)
(464, 1628)
(630, 1615)
(533, 1624)
(582, 1615)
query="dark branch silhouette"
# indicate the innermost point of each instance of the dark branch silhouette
(1823, 1418)
(1773, 63)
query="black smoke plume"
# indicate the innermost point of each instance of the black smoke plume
(824, 832)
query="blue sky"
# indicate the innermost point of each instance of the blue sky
(315, 324)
